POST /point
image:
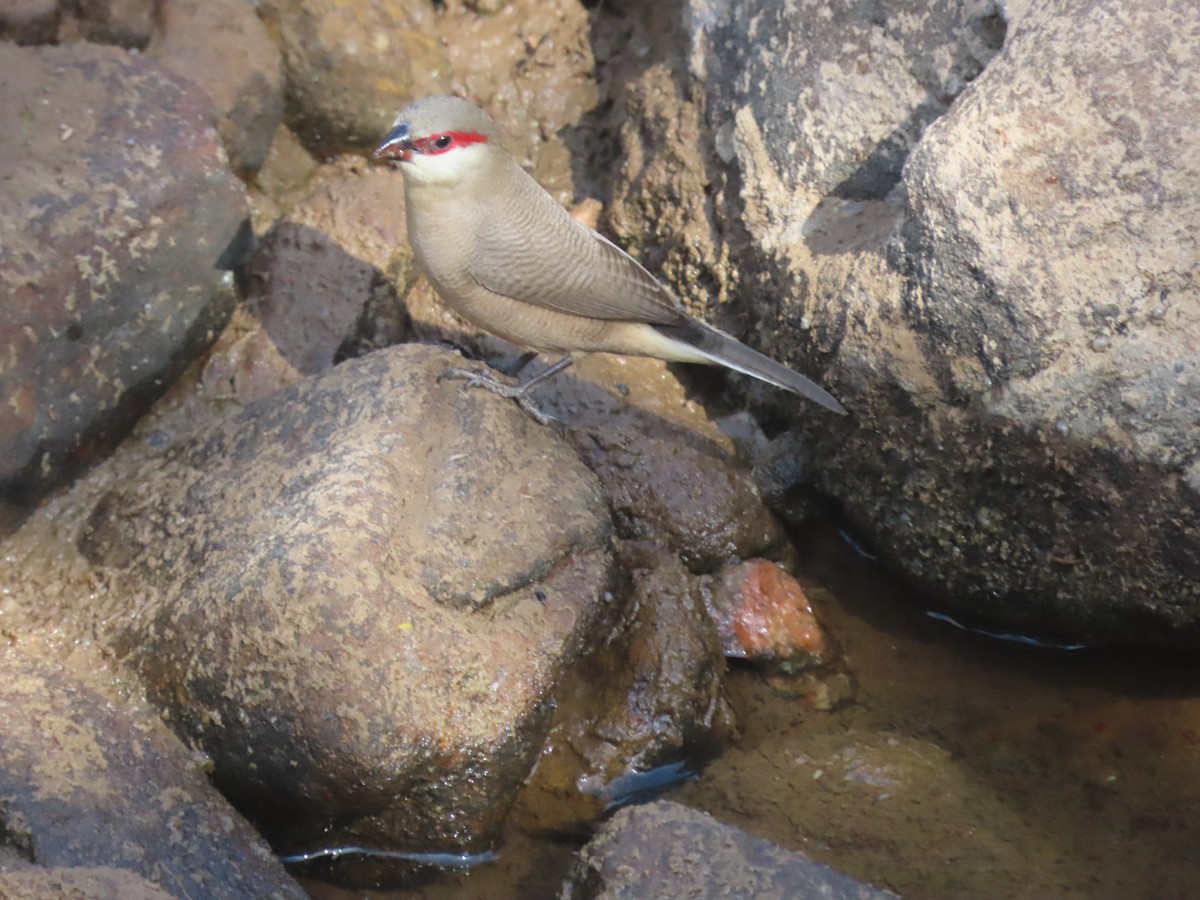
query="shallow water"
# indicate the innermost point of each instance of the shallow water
(965, 766)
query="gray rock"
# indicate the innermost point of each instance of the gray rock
(339, 596)
(1052, 292)
(840, 93)
(123, 217)
(89, 783)
(224, 47)
(664, 849)
(1011, 327)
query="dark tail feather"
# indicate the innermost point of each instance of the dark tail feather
(728, 351)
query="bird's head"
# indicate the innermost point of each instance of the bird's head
(440, 140)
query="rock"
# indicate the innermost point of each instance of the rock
(761, 614)
(669, 486)
(29, 21)
(101, 883)
(327, 279)
(664, 849)
(530, 65)
(224, 47)
(1010, 327)
(1053, 294)
(327, 596)
(333, 49)
(126, 23)
(114, 270)
(89, 783)
(839, 96)
(641, 712)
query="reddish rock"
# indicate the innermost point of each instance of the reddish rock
(763, 615)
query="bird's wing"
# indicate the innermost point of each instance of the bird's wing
(533, 251)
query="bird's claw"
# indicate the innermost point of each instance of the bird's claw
(489, 382)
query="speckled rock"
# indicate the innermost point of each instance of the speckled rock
(224, 47)
(333, 48)
(1010, 327)
(664, 849)
(123, 215)
(100, 883)
(88, 783)
(327, 594)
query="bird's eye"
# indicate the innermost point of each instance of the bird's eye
(442, 141)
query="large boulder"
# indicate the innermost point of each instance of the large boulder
(1010, 322)
(123, 222)
(358, 596)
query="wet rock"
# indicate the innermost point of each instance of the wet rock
(88, 783)
(357, 596)
(37, 883)
(113, 270)
(665, 485)
(640, 712)
(29, 21)
(664, 849)
(333, 50)
(1010, 327)
(762, 614)
(224, 47)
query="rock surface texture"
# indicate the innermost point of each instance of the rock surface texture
(325, 596)
(667, 850)
(122, 221)
(1006, 296)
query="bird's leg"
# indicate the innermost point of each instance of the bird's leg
(518, 392)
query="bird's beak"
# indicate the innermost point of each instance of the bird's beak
(396, 145)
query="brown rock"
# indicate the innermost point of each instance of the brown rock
(667, 850)
(224, 47)
(101, 883)
(666, 485)
(332, 49)
(339, 595)
(29, 21)
(113, 268)
(89, 783)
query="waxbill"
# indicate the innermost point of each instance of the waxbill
(505, 255)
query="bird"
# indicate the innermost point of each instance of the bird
(504, 254)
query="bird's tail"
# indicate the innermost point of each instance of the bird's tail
(717, 347)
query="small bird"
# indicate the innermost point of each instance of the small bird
(504, 254)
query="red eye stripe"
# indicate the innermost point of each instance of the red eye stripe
(430, 146)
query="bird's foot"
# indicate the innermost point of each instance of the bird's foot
(489, 382)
